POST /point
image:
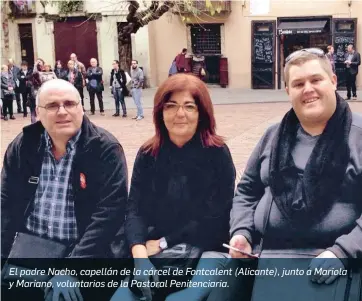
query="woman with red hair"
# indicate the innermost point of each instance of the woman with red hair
(182, 183)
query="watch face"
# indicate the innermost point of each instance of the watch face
(163, 245)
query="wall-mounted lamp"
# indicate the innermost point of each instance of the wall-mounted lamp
(243, 4)
(350, 3)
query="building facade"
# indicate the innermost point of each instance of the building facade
(242, 48)
(255, 46)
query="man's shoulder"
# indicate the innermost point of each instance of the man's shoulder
(102, 136)
(357, 121)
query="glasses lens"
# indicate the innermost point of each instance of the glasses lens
(69, 105)
(52, 107)
(190, 108)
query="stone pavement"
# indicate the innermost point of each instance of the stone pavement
(241, 124)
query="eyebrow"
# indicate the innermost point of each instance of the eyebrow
(186, 102)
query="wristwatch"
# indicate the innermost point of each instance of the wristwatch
(163, 244)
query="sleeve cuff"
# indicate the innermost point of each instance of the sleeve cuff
(342, 256)
(244, 233)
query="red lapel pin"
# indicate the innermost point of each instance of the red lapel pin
(83, 183)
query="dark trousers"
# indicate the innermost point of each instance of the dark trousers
(80, 90)
(18, 101)
(119, 98)
(24, 96)
(351, 84)
(100, 101)
(8, 105)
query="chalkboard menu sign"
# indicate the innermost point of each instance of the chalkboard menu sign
(340, 46)
(263, 48)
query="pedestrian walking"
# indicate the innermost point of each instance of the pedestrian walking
(137, 85)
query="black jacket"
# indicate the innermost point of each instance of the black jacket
(60, 73)
(121, 78)
(99, 207)
(25, 81)
(185, 194)
(355, 62)
(97, 75)
(78, 79)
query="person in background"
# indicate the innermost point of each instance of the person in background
(137, 85)
(36, 84)
(352, 62)
(74, 77)
(24, 78)
(181, 61)
(47, 74)
(14, 71)
(59, 71)
(118, 87)
(330, 55)
(95, 85)
(198, 65)
(7, 92)
(81, 68)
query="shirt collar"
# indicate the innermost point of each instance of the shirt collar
(70, 145)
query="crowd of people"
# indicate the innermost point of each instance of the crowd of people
(23, 84)
(301, 188)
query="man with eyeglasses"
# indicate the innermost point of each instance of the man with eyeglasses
(302, 188)
(63, 180)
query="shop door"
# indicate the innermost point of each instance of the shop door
(263, 54)
(344, 33)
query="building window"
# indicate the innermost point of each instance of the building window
(206, 38)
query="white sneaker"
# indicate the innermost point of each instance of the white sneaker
(139, 118)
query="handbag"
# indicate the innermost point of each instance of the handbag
(27, 246)
(296, 285)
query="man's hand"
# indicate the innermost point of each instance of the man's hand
(69, 292)
(240, 242)
(327, 260)
(153, 247)
(144, 264)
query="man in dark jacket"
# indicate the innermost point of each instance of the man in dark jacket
(14, 71)
(24, 78)
(73, 179)
(353, 60)
(118, 87)
(95, 85)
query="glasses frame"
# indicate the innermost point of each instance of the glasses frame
(59, 106)
(179, 106)
(316, 51)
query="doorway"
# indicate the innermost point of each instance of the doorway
(213, 69)
(26, 43)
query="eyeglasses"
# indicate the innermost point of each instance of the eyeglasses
(316, 51)
(54, 107)
(173, 108)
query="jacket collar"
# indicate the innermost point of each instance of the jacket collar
(34, 132)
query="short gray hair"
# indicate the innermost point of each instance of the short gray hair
(55, 83)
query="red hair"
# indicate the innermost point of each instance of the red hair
(207, 124)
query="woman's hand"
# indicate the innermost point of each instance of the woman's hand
(327, 260)
(153, 247)
(240, 242)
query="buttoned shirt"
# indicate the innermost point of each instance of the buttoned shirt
(53, 214)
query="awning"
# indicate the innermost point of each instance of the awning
(301, 27)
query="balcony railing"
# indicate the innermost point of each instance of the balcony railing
(201, 7)
(22, 8)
